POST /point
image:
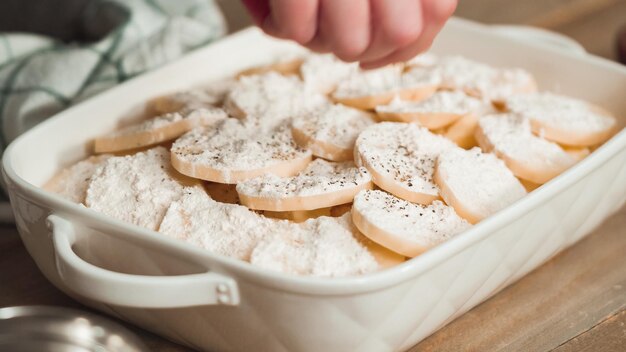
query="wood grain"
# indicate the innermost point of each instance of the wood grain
(563, 298)
(608, 336)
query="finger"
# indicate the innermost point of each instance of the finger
(319, 44)
(292, 19)
(436, 13)
(258, 9)
(345, 26)
(396, 24)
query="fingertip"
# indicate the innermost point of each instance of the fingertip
(396, 24)
(293, 20)
(300, 35)
(269, 27)
(349, 51)
(351, 44)
(318, 44)
(373, 65)
(440, 10)
(401, 36)
(346, 26)
(401, 55)
(448, 7)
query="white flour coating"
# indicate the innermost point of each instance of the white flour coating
(267, 100)
(320, 177)
(404, 152)
(319, 247)
(219, 89)
(479, 181)
(447, 102)
(322, 72)
(389, 79)
(135, 189)
(72, 182)
(561, 112)
(192, 117)
(323, 247)
(227, 229)
(425, 225)
(417, 77)
(509, 82)
(489, 82)
(191, 99)
(337, 125)
(230, 145)
(510, 135)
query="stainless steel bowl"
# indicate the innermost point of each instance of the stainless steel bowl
(53, 329)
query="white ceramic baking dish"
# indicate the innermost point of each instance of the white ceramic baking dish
(213, 303)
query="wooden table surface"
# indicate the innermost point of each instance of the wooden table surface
(575, 302)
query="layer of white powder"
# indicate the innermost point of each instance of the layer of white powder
(219, 89)
(479, 181)
(319, 247)
(389, 79)
(404, 152)
(337, 125)
(560, 112)
(417, 77)
(447, 102)
(192, 117)
(198, 98)
(509, 82)
(323, 247)
(135, 189)
(424, 225)
(491, 83)
(510, 135)
(320, 177)
(269, 99)
(227, 229)
(72, 182)
(230, 145)
(324, 72)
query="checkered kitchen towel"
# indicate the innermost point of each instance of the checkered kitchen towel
(86, 46)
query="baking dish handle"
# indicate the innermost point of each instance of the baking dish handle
(541, 36)
(138, 291)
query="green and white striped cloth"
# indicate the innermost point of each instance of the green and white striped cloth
(40, 76)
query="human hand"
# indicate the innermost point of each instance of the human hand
(372, 32)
